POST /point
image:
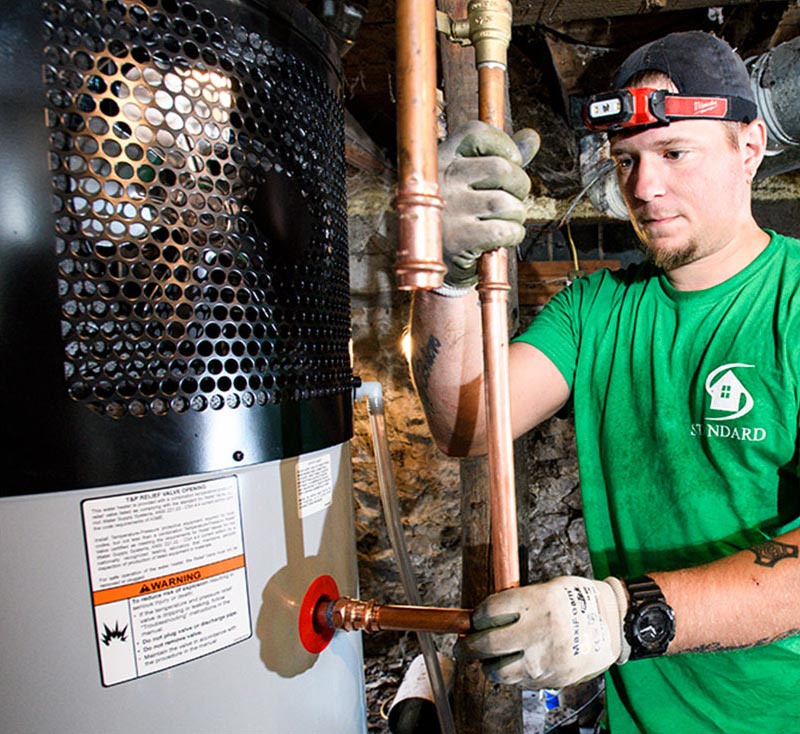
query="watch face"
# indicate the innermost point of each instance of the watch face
(653, 627)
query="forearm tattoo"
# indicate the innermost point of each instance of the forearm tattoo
(719, 647)
(422, 366)
(766, 554)
(770, 552)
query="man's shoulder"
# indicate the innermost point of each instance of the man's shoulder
(633, 274)
(787, 251)
(792, 244)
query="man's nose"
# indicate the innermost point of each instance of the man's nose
(647, 181)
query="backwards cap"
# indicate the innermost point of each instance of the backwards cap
(699, 64)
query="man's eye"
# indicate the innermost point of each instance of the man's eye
(624, 164)
(674, 155)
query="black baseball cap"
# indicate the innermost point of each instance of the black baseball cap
(700, 65)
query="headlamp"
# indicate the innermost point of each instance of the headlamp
(643, 107)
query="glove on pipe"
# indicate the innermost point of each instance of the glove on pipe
(483, 184)
(549, 635)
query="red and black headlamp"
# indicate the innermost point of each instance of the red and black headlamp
(644, 107)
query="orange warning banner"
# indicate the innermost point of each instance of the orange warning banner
(172, 581)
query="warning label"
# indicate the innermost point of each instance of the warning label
(168, 576)
(314, 485)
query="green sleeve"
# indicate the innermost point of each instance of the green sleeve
(554, 331)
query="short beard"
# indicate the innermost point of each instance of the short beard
(670, 259)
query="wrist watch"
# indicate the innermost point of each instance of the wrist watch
(649, 624)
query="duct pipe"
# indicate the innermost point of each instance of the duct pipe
(775, 78)
(419, 250)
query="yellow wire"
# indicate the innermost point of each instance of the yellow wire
(573, 248)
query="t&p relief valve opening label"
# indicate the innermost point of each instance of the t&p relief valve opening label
(314, 485)
(168, 576)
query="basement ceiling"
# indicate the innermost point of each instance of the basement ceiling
(558, 48)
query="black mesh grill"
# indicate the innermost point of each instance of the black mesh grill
(198, 190)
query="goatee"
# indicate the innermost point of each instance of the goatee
(668, 260)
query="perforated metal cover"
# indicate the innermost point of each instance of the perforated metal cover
(174, 290)
(200, 217)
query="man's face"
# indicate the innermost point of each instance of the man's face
(685, 186)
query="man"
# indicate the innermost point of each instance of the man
(684, 372)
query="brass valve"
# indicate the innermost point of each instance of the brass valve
(487, 27)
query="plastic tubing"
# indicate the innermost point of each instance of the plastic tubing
(373, 393)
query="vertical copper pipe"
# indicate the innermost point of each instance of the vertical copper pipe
(493, 288)
(419, 248)
(419, 226)
(492, 95)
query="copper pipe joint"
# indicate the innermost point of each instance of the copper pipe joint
(493, 274)
(419, 234)
(353, 615)
(419, 249)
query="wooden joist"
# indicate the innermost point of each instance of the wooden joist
(551, 12)
(538, 281)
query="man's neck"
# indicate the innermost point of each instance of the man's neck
(723, 263)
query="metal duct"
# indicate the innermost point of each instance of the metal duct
(775, 76)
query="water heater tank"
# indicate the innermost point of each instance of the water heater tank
(174, 355)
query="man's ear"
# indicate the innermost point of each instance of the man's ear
(753, 141)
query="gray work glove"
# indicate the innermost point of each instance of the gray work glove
(549, 635)
(483, 184)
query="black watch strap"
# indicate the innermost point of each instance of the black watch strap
(649, 624)
(642, 589)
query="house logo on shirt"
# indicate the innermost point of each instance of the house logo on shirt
(728, 400)
(728, 395)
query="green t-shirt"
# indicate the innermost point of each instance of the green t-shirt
(686, 415)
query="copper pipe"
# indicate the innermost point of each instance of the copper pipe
(493, 288)
(419, 248)
(353, 614)
(488, 28)
(492, 95)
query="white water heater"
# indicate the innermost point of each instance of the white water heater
(177, 386)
